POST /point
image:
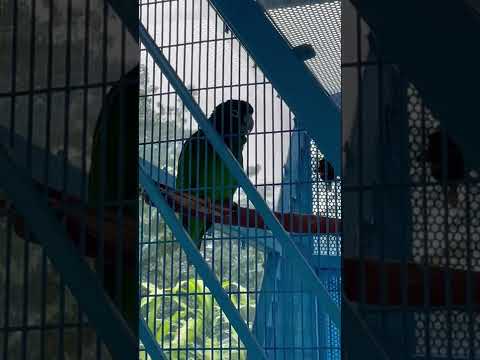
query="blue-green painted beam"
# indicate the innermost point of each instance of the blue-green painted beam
(82, 282)
(263, 324)
(151, 345)
(201, 266)
(161, 176)
(309, 277)
(305, 96)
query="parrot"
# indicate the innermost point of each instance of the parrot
(325, 170)
(108, 127)
(202, 173)
(454, 161)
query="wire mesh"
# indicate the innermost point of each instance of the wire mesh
(443, 236)
(177, 306)
(401, 211)
(59, 59)
(317, 24)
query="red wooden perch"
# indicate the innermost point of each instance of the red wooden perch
(73, 221)
(181, 202)
(416, 291)
(188, 205)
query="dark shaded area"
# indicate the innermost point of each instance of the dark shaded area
(410, 226)
(59, 62)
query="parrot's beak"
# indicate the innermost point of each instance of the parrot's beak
(247, 124)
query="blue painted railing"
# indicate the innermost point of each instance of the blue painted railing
(148, 340)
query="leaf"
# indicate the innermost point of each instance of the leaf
(165, 328)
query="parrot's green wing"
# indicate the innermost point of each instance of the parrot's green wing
(107, 129)
(190, 166)
(202, 173)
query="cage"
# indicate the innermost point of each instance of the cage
(279, 158)
(67, 156)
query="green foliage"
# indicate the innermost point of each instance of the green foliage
(195, 320)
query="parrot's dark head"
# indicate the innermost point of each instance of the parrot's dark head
(453, 158)
(325, 170)
(233, 117)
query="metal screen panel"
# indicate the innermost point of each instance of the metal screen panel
(318, 25)
(444, 236)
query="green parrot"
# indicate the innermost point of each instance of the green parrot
(201, 171)
(122, 97)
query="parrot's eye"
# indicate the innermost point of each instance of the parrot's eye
(235, 114)
(247, 124)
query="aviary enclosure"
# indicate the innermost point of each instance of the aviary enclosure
(274, 171)
(52, 98)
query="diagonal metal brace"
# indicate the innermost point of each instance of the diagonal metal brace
(148, 340)
(202, 267)
(82, 282)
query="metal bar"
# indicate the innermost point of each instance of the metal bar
(304, 95)
(265, 299)
(47, 177)
(357, 326)
(83, 174)
(82, 282)
(149, 342)
(202, 267)
(232, 164)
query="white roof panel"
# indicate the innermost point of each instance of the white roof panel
(318, 24)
